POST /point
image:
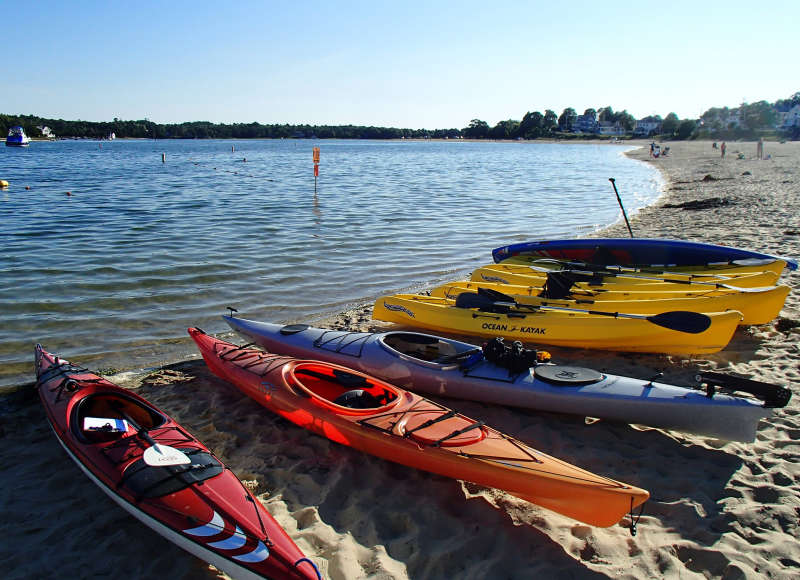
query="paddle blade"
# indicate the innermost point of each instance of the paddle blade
(164, 455)
(682, 321)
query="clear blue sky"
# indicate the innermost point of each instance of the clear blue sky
(430, 64)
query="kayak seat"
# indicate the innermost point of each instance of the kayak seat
(419, 346)
(357, 399)
(111, 406)
(343, 388)
(481, 302)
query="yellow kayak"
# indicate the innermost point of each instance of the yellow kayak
(480, 314)
(758, 305)
(606, 293)
(530, 276)
(726, 269)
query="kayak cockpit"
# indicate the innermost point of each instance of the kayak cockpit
(339, 388)
(105, 417)
(427, 348)
(121, 424)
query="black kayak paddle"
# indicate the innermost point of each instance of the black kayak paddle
(678, 320)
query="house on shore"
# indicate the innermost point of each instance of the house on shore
(609, 128)
(47, 133)
(585, 124)
(647, 127)
(788, 118)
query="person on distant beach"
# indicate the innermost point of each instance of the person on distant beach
(760, 148)
(652, 148)
(714, 145)
(722, 149)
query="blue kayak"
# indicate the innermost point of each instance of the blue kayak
(511, 375)
(649, 252)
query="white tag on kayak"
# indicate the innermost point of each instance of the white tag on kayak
(164, 455)
(103, 424)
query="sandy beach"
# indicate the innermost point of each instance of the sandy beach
(717, 510)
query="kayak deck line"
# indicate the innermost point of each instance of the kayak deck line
(258, 358)
(357, 337)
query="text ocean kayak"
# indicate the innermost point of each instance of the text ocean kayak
(379, 418)
(758, 305)
(164, 477)
(634, 251)
(435, 365)
(673, 333)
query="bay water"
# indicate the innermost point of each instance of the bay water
(118, 246)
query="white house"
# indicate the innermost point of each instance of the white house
(734, 119)
(47, 133)
(609, 128)
(645, 128)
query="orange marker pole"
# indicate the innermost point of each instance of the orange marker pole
(316, 167)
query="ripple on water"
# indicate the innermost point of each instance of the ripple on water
(142, 249)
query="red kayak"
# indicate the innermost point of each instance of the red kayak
(159, 473)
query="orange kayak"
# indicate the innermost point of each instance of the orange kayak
(366, 413)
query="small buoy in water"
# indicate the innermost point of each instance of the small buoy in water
(3, 183)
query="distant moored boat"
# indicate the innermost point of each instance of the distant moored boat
(17, 137)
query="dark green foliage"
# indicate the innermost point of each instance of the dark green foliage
(27, 122)
(760, 115)
(748, 121)
(532, 125)
(477, 130)
(505, 130)
(146, 129)
(685, 129)
(550, 122)
(670, 125)
(567, 119)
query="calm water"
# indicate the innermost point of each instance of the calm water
(112, 275)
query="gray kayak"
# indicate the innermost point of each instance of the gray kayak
(435, 365)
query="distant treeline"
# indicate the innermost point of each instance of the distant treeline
(746, 121)
(145, 129)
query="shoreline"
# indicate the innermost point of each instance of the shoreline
(717, 509)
